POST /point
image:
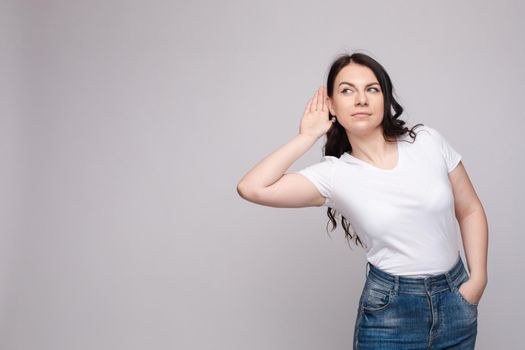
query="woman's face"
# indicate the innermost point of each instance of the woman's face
(356, 89)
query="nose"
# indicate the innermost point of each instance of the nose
(361, 98)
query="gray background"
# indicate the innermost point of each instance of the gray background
(126, 126)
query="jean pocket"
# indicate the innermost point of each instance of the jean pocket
(458, 293)
(376, 297)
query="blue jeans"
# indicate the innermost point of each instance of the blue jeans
(405, 313)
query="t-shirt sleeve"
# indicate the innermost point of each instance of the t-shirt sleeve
(451, 156)
(321, 174)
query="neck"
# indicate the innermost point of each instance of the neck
(372, 147)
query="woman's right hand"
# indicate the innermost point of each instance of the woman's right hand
(315, 120)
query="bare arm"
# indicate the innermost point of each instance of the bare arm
(474, 231)
(271, 168)
(267, 182)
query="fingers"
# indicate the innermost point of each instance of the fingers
(319, 101)
(314, 102)
(308, 106)
(322, 99)
(325, 99)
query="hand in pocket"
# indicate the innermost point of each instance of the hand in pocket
(470, 291)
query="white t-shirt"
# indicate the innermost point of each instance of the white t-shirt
(404, 216)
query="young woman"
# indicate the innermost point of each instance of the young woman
(401, 192)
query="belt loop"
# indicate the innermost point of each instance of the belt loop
(367, 268)
(449, 280)
(448, 274)
(396, 283)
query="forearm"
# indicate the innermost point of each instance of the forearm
(474, 233)
(272, 167)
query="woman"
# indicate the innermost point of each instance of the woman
(401, 191)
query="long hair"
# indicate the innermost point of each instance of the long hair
(336, 138)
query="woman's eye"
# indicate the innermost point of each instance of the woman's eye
(372, 88)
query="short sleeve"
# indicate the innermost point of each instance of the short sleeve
(451, 156)
(321, 174)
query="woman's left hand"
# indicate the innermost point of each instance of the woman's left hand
(472, 290)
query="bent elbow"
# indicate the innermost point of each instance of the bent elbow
(240, 189)
(244, 191)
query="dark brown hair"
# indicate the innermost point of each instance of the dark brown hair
(336, 138)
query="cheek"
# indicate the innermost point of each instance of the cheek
(380, 104)
(337, 106)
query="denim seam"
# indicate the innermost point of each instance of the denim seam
(372, 281)
(423, 293)
(432, 324)
(391, 283)
(356, 330)
(463, 298)
(381, 278)
(455, 284)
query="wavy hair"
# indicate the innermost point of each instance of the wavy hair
(336, 138)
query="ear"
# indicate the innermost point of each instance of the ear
(330, 106)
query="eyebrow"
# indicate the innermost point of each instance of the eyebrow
(345, 82)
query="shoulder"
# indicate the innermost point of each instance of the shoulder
(427, 133)
(429, 130)
(324, 163)
(332, 162)
(330, 159)
(425, 129)
(427, 139)
(324, 167)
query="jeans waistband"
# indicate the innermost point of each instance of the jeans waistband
(419, 284)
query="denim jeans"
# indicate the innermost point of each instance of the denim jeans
(397, 312)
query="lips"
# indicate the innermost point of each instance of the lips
(361, 114)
